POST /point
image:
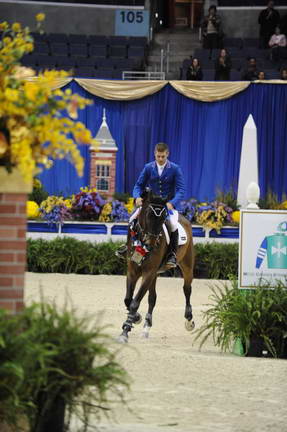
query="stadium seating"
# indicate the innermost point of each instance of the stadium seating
(92, 56)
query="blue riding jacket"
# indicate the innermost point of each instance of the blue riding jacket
(170, 184)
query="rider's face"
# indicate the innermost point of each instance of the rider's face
(161, 157)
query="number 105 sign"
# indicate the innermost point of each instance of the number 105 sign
(263, 247)
(131, 22)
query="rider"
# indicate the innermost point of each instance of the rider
(165, 179)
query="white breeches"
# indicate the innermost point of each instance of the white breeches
(172, 217)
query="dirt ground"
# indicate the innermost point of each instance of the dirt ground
(176, 387)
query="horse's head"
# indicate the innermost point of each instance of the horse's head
(153, 214)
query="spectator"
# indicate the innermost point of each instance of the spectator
(261, 75)
(277, 44)
(222, 66)
(251, 72)
(194, 72)
(268, 19)
(283, 74)
(212, 30)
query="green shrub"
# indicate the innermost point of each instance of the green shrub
(68, 255)
(256, 313)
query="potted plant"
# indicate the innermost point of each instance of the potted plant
(54, 365)
(257, 317)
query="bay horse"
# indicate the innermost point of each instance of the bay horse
(146, 253)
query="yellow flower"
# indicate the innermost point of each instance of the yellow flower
(37, 183)
(32, 210)
(31, 90)
(11, 94)
(236, 216)
(16, 27)
(40, 17)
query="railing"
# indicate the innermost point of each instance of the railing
(164, 59)
(143, 75)
(100, 232)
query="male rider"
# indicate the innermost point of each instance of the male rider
(165, 179)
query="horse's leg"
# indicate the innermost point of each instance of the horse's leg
(133, 307)
(186, 266)
(151, 305)
(130, 288)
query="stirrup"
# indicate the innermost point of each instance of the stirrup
(171, 262)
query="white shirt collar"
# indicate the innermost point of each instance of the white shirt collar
(160, 168)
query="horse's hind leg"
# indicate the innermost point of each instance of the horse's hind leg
(187, 272)
(151, 304)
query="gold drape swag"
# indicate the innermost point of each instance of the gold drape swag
(204, 91)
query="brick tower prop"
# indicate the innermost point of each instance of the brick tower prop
(103, 161)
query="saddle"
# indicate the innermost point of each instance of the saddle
(182, 237)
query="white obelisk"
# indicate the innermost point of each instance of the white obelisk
(248, 172)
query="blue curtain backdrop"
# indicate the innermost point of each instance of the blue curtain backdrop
(204, 139)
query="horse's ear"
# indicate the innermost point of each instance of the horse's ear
(146, 193)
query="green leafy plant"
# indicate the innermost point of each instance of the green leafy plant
(69, 255)
(54, 364)
(38, 193)
(229, 198)
(251, 314)
(271, 201)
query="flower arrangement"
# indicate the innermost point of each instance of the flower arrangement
(55, 210)
(32, 130)
(87, 204)
(211, 215)
(119, 212)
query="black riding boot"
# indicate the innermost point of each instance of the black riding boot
(171, 259)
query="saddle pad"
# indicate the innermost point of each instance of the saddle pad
(182, 237)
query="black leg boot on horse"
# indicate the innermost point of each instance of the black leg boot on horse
(173, 246)
(121, 252)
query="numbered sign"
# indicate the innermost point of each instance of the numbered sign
(131, 22)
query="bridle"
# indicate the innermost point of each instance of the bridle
(159, 211)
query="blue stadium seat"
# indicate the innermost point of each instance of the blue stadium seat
(82, 61)
(118, 51)
(79, 50)
(57, 38)
(104, 73)
(41, 48)
(137, 41)
(47, 62)
(98, 51)
(39, 37)
(59, 49)
(136, 52)
(29, 60)
(250, 42)
(98, 40)
(124, 64)
(78, 39)
(65, 62)
(106, 63)
(118, 41)
(272, 74)
(84, 71)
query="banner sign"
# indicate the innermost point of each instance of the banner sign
(131, 22)
(262, 247)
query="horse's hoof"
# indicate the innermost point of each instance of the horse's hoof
(138, 319)
(189, 325)
(122, 339)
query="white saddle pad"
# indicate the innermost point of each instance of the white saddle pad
(182, 237)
